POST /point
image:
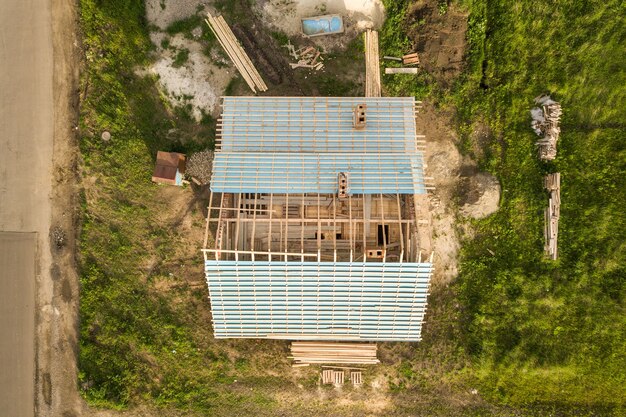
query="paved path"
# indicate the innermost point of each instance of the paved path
(17, 323)
(26, 134)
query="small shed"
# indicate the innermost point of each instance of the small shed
(170, 168)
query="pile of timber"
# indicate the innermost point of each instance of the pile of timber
(333, 352)
(372, 67)
(306, 57)
(235, 52)
(545, 122)
(552, 183)
(411, 59)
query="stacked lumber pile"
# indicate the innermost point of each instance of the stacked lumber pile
(545, 123)
(411, 59)
(333, 352)
(306, 57)
(552, 183)
(372, 68)
(235, 52)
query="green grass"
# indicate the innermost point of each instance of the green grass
(185, 26)
(139, 344)
(543, 333)
(181, 58)
(546, 337)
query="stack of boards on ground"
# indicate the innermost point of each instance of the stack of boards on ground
(334, 352)
(372, 68)
(235, 52)
(552, 183)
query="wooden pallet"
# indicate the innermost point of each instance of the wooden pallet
(331, 376)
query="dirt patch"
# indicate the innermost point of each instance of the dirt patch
(443, 164)
(57, 393)
(358, 15)
(199, 81)
(163, 13)
(479, 195)
(271, 67)
(438, 34)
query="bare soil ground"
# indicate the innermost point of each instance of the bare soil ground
(58, 349)
(439, 38)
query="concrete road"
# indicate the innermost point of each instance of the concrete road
(26, 144)
(17, 323)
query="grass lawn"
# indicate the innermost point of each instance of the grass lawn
(531, 333)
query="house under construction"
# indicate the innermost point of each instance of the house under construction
(313, 218)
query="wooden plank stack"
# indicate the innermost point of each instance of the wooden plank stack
(372, 68)
(411, 59)
(552, 183)
(236, 53)
(334, 352)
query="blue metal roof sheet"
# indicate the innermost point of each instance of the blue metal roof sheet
(316, 173)
(317, 124)
(318, 300)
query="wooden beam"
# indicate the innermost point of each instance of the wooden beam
(335, 228)
(237, 226)
(253, 226)
(401, 70)
(382, 216)
(303, 208)
(351, 227)
(269, 238)
(400, 227)
(286, 223)
(208, 216)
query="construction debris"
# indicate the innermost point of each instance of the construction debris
(235, 52)
(372, 68)
(400, 70)
(552, 183)
(199, 167)
(546, 123)
(411, 59)
(306, 57)
(392, 58)
(334, 352)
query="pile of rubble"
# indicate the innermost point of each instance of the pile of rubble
(545, 123)
(199, 167)
(306, 57)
